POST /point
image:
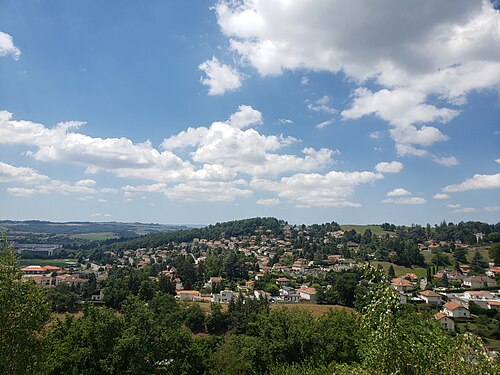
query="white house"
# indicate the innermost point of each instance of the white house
(308, 294)
(431, 298)
(454, 309)
(224, 296)
(188, 295)
(445, 321)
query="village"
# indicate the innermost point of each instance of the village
(269, 265)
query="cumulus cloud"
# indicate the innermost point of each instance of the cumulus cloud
(219, 77)
(389, 167)
(398, 192)
(284, 121)
(477, 182)
(7, 46)
(407, 200)
(268, 202)
(24, 175)
(414, 52)
(497, 161)
(312, 189)
(457, 208)
(447, 161)
(441, 196)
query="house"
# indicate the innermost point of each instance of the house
(445, 321)
(431, 298)
(213, 281)
(493, 271)
(224, 296)
(282, 281)
(493, 305)
(98, 297)
(401, 285)
(188, 295)
(454, 309)
(476, 282)
(475, 295)
(308, 294)
(38, 270)
(259, 276)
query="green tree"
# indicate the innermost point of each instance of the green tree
(460, 254)
(24, 311)
(494, 253)
(478, 264)
(391, 274)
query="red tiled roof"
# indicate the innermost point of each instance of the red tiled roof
(399, 281)
(452, 305)
(430, 293)
(439, 316)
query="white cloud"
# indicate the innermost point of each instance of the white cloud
(415, 52)
(209, 191)
(375, 135)
(7, 46)
(408, 200)
(447, 161)
(21, 192)
(331, 189)
(389, 167)
(24, 175)
(321, 105)
(457, 208)
(304, 81)
(497, 161)
(284, 121)
(235, 150)
(477, 182)
(441, 196)
(268, 202)
(324, 124)
(219, 77)
(398, 192)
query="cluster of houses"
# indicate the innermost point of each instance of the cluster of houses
(286, 292)
(454, 306)
(49, 276)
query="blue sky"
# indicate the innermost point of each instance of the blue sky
(199, 112)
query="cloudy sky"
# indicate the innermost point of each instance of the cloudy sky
(196, 112)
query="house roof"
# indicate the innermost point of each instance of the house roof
(494, 303)
(439, 316)
(480, 293)
(430, 293)
(481, 278)
(495, 269)
(192, 292)
(308, 290)
(452, 305)
(282, 279)
(399, 281)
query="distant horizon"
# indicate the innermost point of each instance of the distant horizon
(193, 111)
(224, 221)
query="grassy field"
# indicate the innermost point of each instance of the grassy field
(470, 254)
(94, 236)
(400, 270)
(361, 228)
(45, 262)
